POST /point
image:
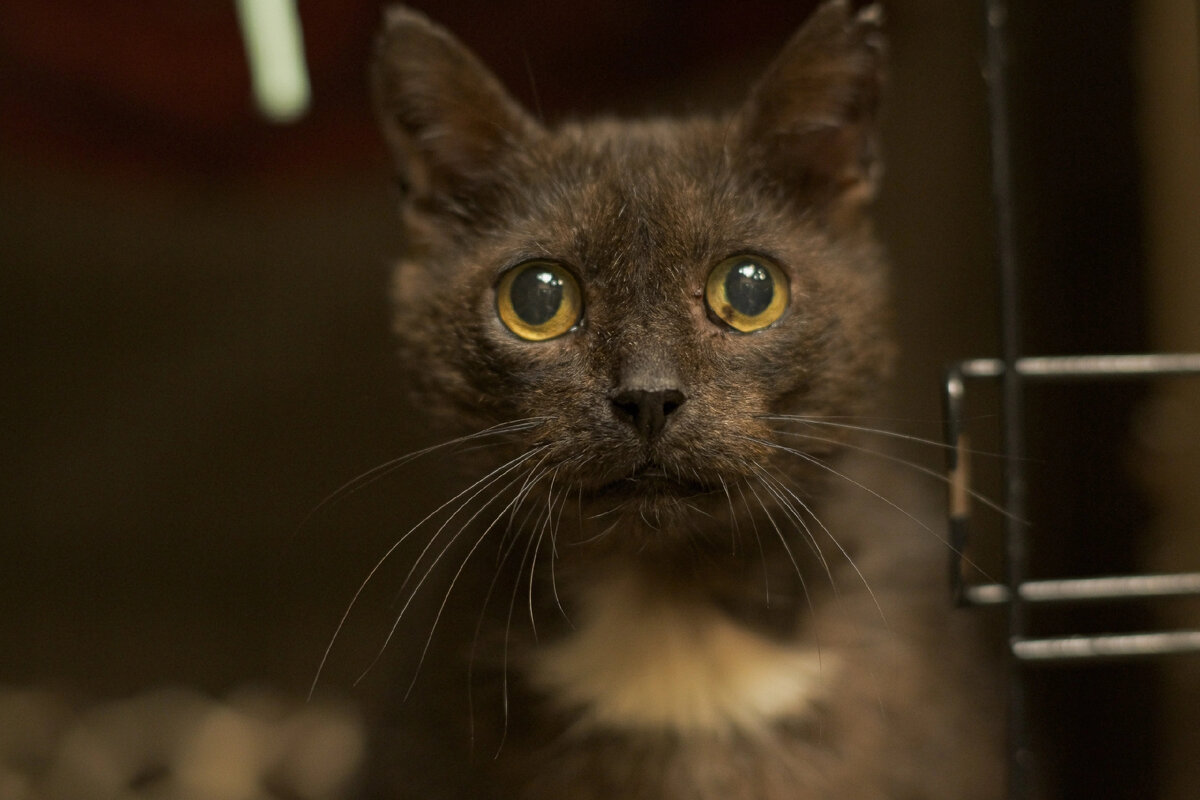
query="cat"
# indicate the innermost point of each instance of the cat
(652, 342)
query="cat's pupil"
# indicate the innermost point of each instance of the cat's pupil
(749, 288)
(536, 295)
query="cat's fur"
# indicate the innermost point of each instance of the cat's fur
(721, 611)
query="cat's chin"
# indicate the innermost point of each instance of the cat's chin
(650, 506)
(651, 484)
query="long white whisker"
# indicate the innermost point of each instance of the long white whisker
(734, 532)
(762, 554)
(503, 552)
(514, 527)
(395, 545)
(454, 580)
(819, 463)
(874, 431)
(531, 480)
(554, 558)
(512, 602)
(905, 462)
(545, 526)
(598, 536)
(386, 468)
(436, 534)
(430, 568)
(791, 556)
(853, 565)
(779, 533)
(770, 485)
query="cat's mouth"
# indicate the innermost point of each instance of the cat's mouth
(652, 480)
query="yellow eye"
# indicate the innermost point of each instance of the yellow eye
(747, 292)
(538, 300)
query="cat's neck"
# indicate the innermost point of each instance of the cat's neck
(643, 658)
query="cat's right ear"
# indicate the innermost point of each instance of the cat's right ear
(446, 118)
(809, 126)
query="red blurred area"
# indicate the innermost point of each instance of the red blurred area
(153, 88)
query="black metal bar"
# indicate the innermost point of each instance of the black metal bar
(1094, 367)
(1012, 400)
(1107, 647)
(1128, 366)
(958, 481)
(1017, 594)
(1086, 590)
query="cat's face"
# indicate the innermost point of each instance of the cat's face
(648, 294)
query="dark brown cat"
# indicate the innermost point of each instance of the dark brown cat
(655, 335)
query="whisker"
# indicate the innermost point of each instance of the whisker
(503, 552)
(531, 480)
(386, 468)
(785, 505)
(430, 568)
(758, 540)
(554, 559)
(513, 528)
(454, 580)
(821, 464)
(826, 421)
(538, 547)
(596, 537)
(698, 510)
(395, 545)
(849, 559)
(734, 532)
(512, 602)
(618, 508)
(932, 473)
(791, 557)
(429, 544)
(779, 533)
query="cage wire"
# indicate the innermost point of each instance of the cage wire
(1014, 372)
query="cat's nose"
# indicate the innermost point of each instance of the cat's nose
(647, 409)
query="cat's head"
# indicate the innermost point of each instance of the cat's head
(648, 293)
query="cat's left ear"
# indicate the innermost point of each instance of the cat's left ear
(447, 119)
(809, 125)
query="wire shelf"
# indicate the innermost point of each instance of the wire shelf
(1014, 371)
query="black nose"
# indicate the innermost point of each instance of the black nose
(646, 409)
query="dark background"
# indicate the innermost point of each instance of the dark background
(196, 347)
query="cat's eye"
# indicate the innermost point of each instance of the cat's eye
(748, 293)
(538, 300)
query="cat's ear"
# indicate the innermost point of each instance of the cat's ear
(809, 125)
(446, 118)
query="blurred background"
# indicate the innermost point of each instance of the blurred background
(196, 347)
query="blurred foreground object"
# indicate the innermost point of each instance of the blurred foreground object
(176, 743)
(275, 48)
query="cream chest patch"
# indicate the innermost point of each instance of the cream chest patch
(642, 660)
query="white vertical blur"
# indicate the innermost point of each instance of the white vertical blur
(275, 49)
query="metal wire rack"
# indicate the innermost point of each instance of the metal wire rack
(1014, 372)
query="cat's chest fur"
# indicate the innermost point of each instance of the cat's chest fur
(642, 659)
(649, 343)
(878, 693)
